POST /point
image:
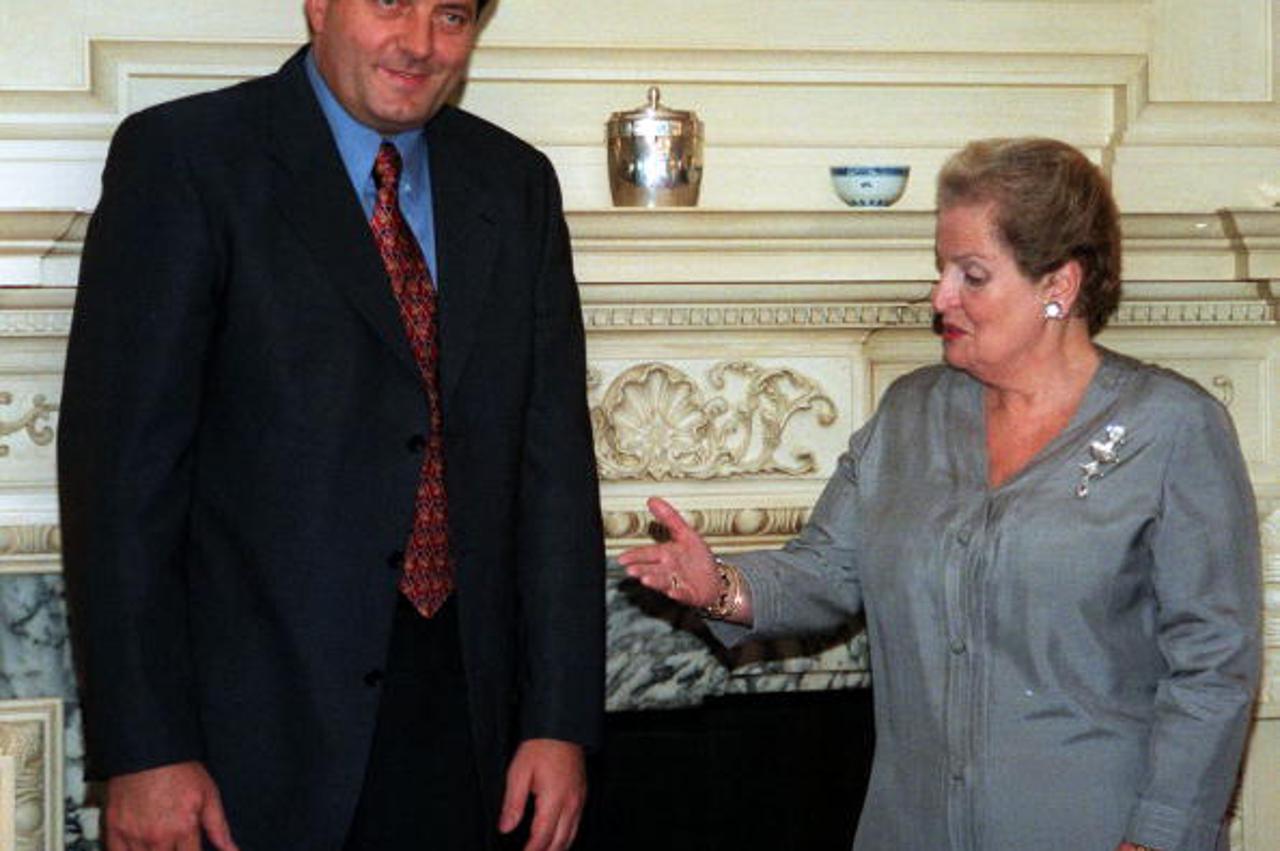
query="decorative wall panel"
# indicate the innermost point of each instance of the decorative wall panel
(657, 421)
(33, 328)
(1271, 606)
(31, 775)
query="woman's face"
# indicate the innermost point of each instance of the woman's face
(990, 315)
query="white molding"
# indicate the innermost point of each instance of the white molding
(1011, 27)
(115, 65)
(1269, 699)
(41, 247)
(30, 548)
(861, 315)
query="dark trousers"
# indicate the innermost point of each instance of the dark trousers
(421, 792)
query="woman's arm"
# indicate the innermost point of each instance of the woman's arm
(684, 569)
(809, 586)
(1207, 583)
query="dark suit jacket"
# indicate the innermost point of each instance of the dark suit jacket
(238, 459)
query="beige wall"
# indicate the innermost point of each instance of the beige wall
(1176, 95)
(1176, 98)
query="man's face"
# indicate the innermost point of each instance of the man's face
(392, 63)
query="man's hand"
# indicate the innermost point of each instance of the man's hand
(165, 809)
(555, 773)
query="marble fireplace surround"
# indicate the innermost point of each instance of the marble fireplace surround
(730, 356)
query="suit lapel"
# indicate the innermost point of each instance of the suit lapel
(315, 195)
(466, 243)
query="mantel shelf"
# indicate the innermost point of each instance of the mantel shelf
(709, 246)
(879, 224)
(700, 223)
(701, 246)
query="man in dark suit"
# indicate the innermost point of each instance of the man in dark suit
(295, 630)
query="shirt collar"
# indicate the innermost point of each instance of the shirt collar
(358, 144)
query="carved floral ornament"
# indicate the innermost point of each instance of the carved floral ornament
(30, 422)
(655, 422)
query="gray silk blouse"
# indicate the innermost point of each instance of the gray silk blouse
(1050, 670)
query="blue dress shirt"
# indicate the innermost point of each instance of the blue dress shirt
(358, 146)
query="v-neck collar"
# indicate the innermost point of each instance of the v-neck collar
(1099, 397)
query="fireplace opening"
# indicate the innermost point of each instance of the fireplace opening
(757, 771)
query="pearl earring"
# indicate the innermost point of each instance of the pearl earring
(1053, 310)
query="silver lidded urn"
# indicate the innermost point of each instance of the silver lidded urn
(655, 156)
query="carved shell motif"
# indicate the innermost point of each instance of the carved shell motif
(655, 422)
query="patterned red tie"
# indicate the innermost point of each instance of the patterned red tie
(428, 572)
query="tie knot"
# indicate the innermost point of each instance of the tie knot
(386, 167)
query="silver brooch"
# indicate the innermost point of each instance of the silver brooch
(1104, 453)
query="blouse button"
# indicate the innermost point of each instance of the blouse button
(957, 646)
(963, 535)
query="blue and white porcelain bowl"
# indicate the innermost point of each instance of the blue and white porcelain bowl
(869, 185)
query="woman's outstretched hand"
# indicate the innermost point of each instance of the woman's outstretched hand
(683, 567)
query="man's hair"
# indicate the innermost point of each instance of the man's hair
(1052, 205)
(480, 4)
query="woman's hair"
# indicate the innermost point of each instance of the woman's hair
(1051, 206)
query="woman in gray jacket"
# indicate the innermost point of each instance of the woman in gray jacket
(1055, 548)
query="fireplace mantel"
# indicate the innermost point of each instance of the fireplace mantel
(842, 293)
(795, 320)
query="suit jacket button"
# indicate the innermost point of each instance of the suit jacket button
(373, 678)
(416, 443)
(395, 561)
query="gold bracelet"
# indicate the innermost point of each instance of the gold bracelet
(732, 596)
